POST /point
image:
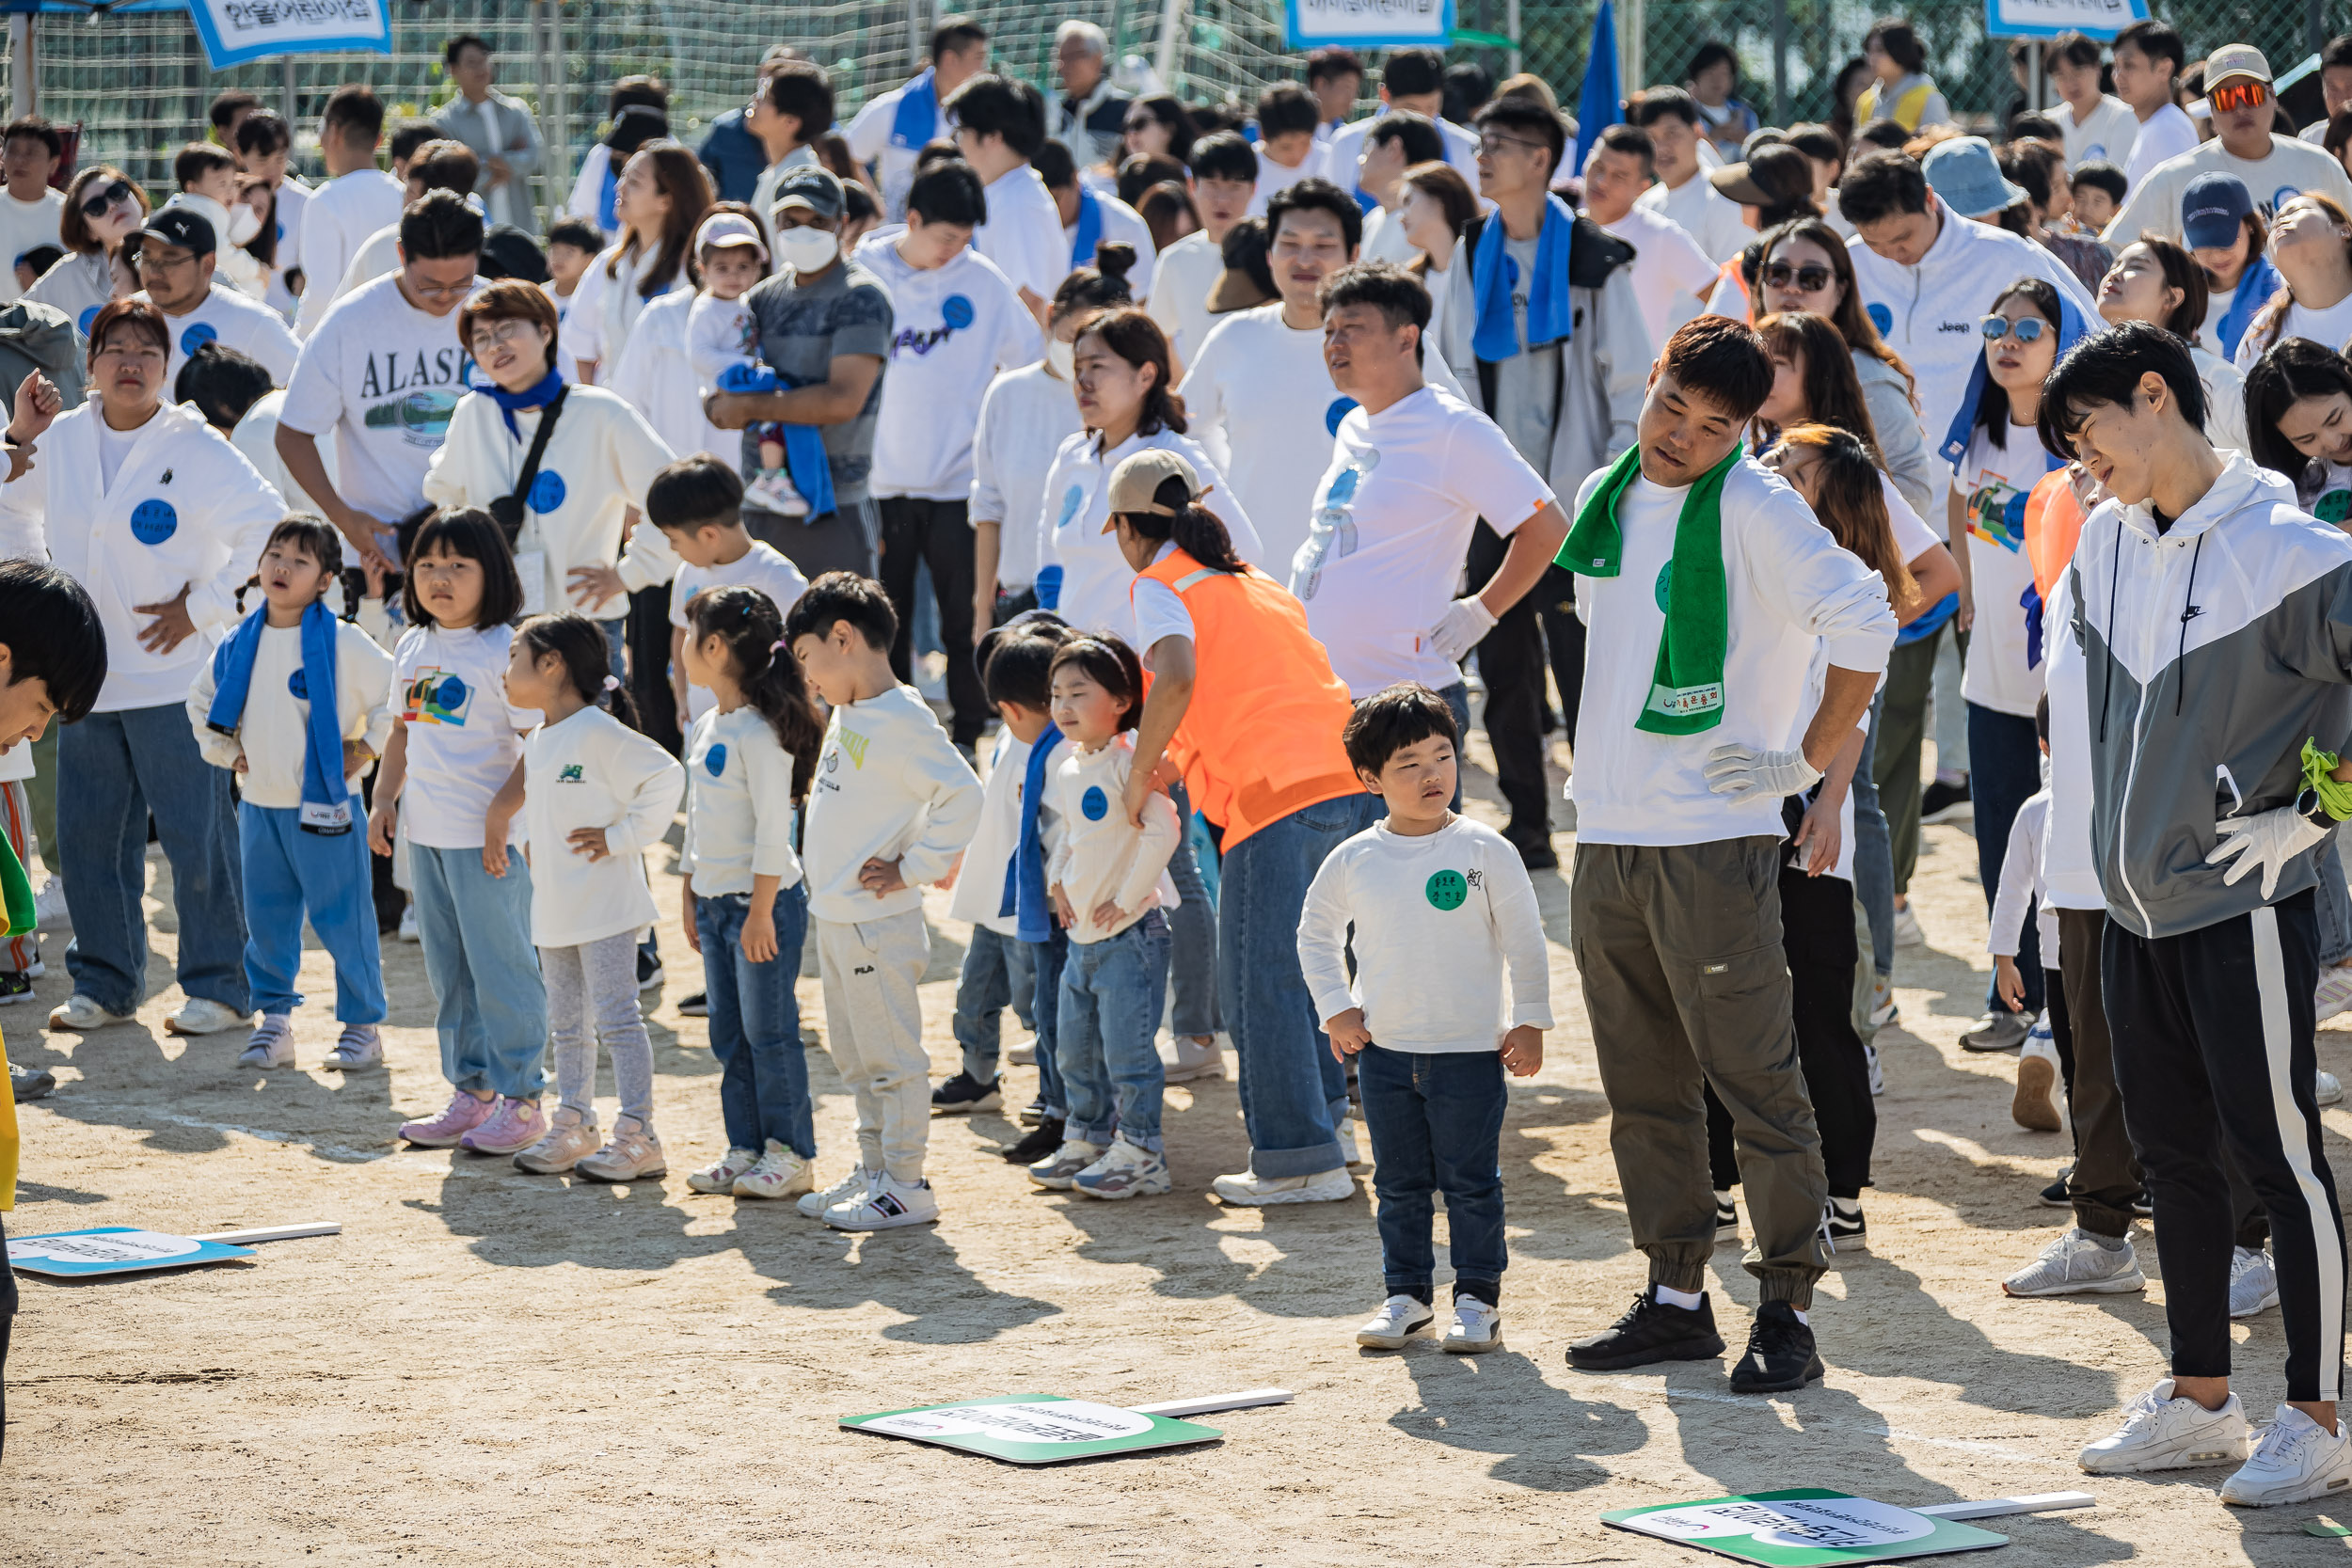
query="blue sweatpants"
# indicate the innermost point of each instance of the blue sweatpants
(289, 874)
(490, 1004)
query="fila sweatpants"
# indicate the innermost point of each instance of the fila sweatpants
(2212, 1034)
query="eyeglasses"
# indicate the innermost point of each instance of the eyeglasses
(1494, 142)
(1811, 278)
(151, 258)
(497, 332)
(422, 290)
(2237, 95)
(96, 203)
(2026, 329)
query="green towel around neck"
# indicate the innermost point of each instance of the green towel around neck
(16, 892)
(1686, 693)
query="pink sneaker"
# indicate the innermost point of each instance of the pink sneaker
(465, 1113)
(514, 1126)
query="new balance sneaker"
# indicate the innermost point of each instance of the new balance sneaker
(1726, 1219)
(1057, 1170)
(570, 1137)
(856, 1182)
(771, 490)
(780, 1173)
(2162, 1432)
(1194, 1061)
(2035, 1104)
(891, 1204)
(1946, 801)
(1877, 1069)
(721, 1176)
(963, 1094)
(1251, 1190)
(29, 1082)
(1907, 930)
(1125, 1170)
(633, 1154)
(1650, 1331)
(360, 1046)
(1351, 1150)
(1882, 1009)
(2253, 1282)
(80, 1014)
(510, 1129)
(1842, 1221)
(694, 1004)
(2326, 1088)
(272, 1044)
(1400, 1318)
(464, 1113)
(15, 986)
(1476, 1328)
(1036, 1144)
(2294, 1461)
(2335, 991)
(2078, 1264)
(1780, 1356)
(201, 1015)
(1999, 1030)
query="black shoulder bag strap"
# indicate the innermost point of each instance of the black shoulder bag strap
(511, 510)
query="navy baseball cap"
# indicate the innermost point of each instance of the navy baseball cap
(183, 226)
(2214, 207)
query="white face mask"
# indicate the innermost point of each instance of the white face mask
(244, 223)
(1063, 358)
(807, 248)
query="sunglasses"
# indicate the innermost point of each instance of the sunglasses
(2237, 95)
(2026, 329)
(1811, 278)
(96, 203)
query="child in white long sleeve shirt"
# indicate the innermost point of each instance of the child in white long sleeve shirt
(892, 803)
(1441, 907)
(250, 706)
(2035, 1102)
(1108, 876)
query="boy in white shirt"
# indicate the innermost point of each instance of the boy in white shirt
(1441, 908)
(1287, 153)
(892, 803)
(698, 503)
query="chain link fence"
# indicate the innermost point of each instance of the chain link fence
(139, 86)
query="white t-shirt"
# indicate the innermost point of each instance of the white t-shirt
(1993, 482)
(1670, 268)
(952, 330)
(1391, 525)
(869, 143)
(591, 771)
(464, 736)
(1384, 239)
(1704, 213)
(1124, 225)
(2328, 328)
(2290, 168)
(2160, 138)
(337, 220)
(1273, 178)
(1181, 282)
(1024, 416)
(2106, 133)
(385, 377)
(2329, 497)
(236, 321)
(604, 310)
(256, 435)
(761, 567)
(26, 225)
(1022, 235)
(1094, 576)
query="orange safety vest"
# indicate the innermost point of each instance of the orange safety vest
(2053, 520)
(1260, 738)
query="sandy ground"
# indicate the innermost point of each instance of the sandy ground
(488, 1366)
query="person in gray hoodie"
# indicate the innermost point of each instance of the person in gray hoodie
(2214, 618)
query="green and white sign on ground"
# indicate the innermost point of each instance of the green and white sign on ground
(1034, 1429)
(1805, 1526)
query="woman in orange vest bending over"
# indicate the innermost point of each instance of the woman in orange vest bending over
(1244, 705)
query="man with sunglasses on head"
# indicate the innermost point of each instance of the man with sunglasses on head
(174, 258)
(2274, 167)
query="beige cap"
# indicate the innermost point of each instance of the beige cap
(2235, 59)
(1138, 478)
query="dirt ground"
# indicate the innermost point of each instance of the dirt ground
(489, 1366)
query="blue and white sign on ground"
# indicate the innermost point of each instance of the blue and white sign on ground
(235, 31)
(1368, 24)
(2044, 18)
(1034, 1429)
(113, 1249)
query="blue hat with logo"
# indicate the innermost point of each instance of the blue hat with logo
(1965, 176)
(2214, 207)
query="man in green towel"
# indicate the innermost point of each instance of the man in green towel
(1733, 648)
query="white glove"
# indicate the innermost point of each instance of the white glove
(2268, 839)
(1458, 630)
(1739, 771)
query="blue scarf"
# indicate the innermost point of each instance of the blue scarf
(607, 218)
(804, 459)
(326, 793)
(2254, 288)
(917, 118)
(1024, 874)
(1090, 233)
(1493, 274)
(537, 396)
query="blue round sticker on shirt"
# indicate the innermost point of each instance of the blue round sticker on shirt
(955, 312)
(716, 760)
(299, 684)
(2283, 195)
(546, 491)
(1340, 409)
(196, 335)
(87, 317)
(1072, 499)
(1094, 803)
(154, 521)
(450, 696)
(1665, 576)
(1880, 317)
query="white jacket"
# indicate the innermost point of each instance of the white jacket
(655, 373)
(186, 511)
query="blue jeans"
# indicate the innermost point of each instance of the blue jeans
(1458, 698)
(116, 767)
(1192, 931)
(289, 872)
(999, 971)
(616, 647)
(756, 1021)
(1292, 1093)
(1111, 993)
(1436, 1120)
(1874, 849)
(1046, 961)
(2005, 766)
(490, 1006)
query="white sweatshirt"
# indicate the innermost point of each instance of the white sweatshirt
(591, 771)
(954, 328)
(979, 893)
(336, 222)
(889, 786)
(274, 735)
(738, 804)
(1439, 918)
(655, 373)
(1102, 855)
(1024, 416)
(2021, 878)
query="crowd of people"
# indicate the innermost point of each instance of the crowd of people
(1209, 449)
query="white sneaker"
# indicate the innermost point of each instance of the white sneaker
(771, 490)
(1476, 1329)
(272, 1045)
(891, 1204)
(1351, 1152)
(1907, 932)
(633, 1154)
(2035, 1105)
(721, 1176)
(779, 1173)
(1190, 1062)
(2161, 1433)
(357, 1048)
(201, 1015)
(2335, 991)
(1252, 1190)
(2076, 1265)
(49, 910)
(2324, 1088)
(1125, 1170)
(1024, 1055)
(857, 1183)
(1057, 1170)
(1878, 1069)
(82, 1014)
(2296, 1460)
(1399, 1319)
(407, 931)
(2253, 1282)
(1882, 1009)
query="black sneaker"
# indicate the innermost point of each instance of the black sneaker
(1726, 1219)
(2141, 1206)
(1841, 1217)
(2053, 1195)
(696, 1006)
(15, 986)
(1946, 802)
(1650, 1331)
(29, 1082)
(1042, 1140)
(649, 974)
(965, 1093)
(1033, 1114)
(1780, 1355)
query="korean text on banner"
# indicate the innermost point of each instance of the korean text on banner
(1368, 24)
(2043, 18)
(235, 31)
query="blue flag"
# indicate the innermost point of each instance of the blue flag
(1600, 105)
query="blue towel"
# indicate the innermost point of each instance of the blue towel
(916, 121)
(805, 456)
(326, 793)
(2254, 289)
(1930, 622)
(529, 397)
(1089, 231)
(607, 219)
(1025, 875)
(2030, 601)
(1493, 275)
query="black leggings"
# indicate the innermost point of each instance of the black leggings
(913, 532)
